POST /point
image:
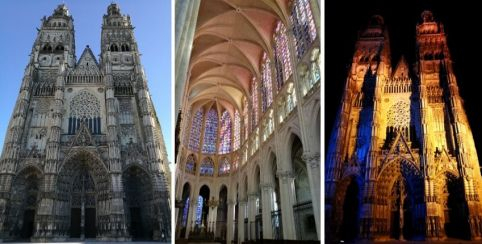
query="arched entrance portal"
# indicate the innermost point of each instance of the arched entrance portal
(401, 207)
(80, 184)
(82, 215)
(23, 202)
(138, 203)
(455, 209)
(349, 227)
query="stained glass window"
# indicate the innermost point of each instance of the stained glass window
(282, 53)
(191, 164)
(245, 118)
(237, 130)
(194, 138)
(224, 166)
(185, 211)
(225, 133)
(254, 101)
(210, 131)
(304, 29)
(207, 167)
(199, 210)
(267, 86)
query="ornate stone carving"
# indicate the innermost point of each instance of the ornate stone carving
(312, 159)
(84, 105)
(399, 115)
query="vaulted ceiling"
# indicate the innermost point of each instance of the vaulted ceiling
(230, 39)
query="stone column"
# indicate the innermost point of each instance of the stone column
(312, 161)
(230, 222)
(186, 19)
(241, 214)
(288, 199)
(252, 211)
(191, 216)
(267, 203)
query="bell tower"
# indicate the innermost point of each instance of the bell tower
(355, 135)
(448, 144)
(55, 41)
(127, 93)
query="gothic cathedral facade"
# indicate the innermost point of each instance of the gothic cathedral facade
(401, 161)
(84, 155)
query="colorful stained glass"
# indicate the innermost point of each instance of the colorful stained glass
(199, 209)
(224, 166)
(245, 118)
(185, 212)
(196, 130)
(210, 131)
(282, 54)
(225, 133)
(237, 131)
(254, 101)
(266, 84)
(191, 164)
(207, 167)
(304, 29)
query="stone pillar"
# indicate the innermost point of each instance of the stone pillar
(191, 216)
(241, 215)
(312, 161)
(267, 203)
(186, 19)
(252, 211)
(230, 222)
(212, 215)
(288, 199)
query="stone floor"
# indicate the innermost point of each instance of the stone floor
(94, 241)
(452, 241)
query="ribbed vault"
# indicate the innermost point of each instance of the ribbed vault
(230, 39)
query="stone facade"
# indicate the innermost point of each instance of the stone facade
(401, 161)
(84, 155)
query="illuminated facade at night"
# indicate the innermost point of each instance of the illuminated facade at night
(401, 161)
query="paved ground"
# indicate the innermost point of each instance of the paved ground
(93, 241)
(451, 241)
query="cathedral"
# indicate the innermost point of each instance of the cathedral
(248, 121)
(84, 156)
(401, 163)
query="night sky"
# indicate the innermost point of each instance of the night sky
(462, 22)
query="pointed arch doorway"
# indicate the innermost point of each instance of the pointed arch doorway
(83, 207)
(83, 185)
(138, 203)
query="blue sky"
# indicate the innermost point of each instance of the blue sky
(151, 19)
